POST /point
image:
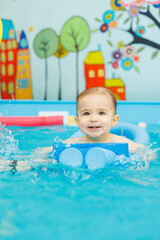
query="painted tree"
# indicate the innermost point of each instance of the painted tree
(75, 36)
(45, 45)
(125, 54)
(60, 53)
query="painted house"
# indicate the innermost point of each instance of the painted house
(23, 79)
(117, 87)
(8, 60)
(94, 70)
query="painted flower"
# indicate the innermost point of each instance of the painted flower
(140, 31)
(127, 64)
(120, 44)
(128, 51)
(133, 11)
(136, 58)
(113, 24)
(108, 16)
(104, 27)
(115, 65)
(116, 4)
(117, 55)
(156, 5)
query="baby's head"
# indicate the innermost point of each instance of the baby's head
(96, 113)
(98, 91)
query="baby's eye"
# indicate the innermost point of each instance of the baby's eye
(101, 113)
(86, 113)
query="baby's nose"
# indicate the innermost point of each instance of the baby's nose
(93, 118)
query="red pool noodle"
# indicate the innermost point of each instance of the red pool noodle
(33, 121)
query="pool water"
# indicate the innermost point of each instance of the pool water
(53, 201)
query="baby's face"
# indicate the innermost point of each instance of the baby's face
(95, 116)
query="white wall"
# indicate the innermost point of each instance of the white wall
(143, 86)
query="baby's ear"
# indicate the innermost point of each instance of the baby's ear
(76, 119)
(115, 120)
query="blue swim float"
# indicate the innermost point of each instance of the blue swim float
(99, 155)
(89, 155)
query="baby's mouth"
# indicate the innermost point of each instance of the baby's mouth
(94, 127)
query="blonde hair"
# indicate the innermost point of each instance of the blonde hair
(98, 90)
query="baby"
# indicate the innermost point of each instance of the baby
(96, 114)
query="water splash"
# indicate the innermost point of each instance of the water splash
(38, 158)
(139, 160)
(9, 146)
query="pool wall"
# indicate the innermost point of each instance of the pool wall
(148, 112)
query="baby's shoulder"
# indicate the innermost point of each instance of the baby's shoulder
(73, 140)
(133, 146)
(118, 139)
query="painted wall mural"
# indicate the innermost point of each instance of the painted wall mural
(45, 45)
(15, 64)
(74, 37)
(60, 53)
(23, 78)
(8, 60)
(100, 56)
(127, 56)
(1, 31)
(94, 68)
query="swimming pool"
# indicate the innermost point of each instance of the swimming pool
(53, 201)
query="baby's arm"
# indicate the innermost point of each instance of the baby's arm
(47, 149)
(42, 153)
(40, 156)
(133, 146)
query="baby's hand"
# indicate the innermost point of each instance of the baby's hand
(42, 153)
